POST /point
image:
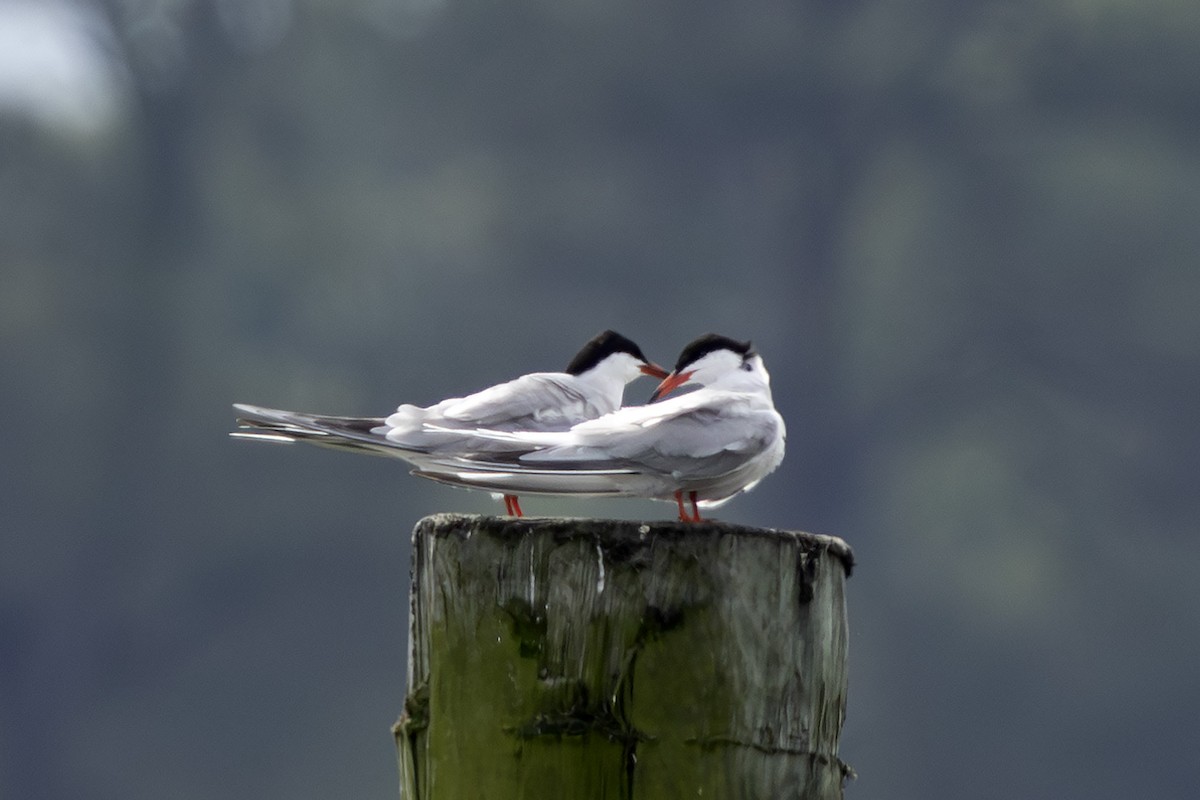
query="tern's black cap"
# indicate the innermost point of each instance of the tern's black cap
(601, 347)
(711, 342)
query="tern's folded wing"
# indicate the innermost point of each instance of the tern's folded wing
(696, 440)
(535, 402)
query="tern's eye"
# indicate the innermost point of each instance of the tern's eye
(747, 366)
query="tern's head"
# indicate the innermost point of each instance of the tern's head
(713, 359)
(612, 354)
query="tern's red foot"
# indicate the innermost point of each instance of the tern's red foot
(695, 508)
(683, 515)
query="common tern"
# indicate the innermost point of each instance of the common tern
(592, 385)
(705, 446)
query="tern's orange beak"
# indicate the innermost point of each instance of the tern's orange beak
(670, 384)
(653, 370)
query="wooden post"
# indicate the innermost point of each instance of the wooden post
(590, 659)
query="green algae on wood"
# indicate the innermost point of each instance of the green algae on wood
(606, 659)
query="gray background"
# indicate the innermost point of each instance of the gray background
(963, 235)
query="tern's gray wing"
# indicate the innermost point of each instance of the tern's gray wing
(699, 440)
(540, 401)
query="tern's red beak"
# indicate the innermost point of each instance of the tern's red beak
(670, 384)
(653, 370)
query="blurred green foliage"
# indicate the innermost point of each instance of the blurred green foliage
(963, 235)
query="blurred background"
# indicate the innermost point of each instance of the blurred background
(963, 235)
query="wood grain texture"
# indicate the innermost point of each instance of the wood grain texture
(609, 659)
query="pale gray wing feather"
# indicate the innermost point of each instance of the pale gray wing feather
(526, 480)
(541, 401)
(698, 440)
(344, 433)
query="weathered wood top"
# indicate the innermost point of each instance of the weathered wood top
(626, 535)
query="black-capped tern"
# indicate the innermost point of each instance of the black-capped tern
(592, 385)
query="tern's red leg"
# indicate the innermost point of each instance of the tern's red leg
(695, 508)
(512, 506)
(683, 517)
